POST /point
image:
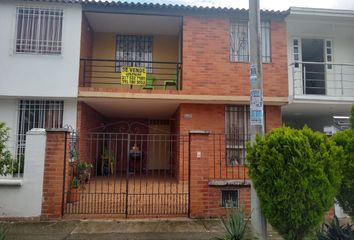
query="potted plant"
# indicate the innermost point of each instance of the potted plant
(84, 173)
(73, 192)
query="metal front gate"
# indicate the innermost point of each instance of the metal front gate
(125, 174)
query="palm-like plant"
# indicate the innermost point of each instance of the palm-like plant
(335, 231)
(235, 224)
(2, 233)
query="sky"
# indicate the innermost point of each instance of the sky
(264, 4)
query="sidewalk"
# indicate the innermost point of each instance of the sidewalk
(156, 229)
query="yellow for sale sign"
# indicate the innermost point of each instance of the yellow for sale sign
(133, 75)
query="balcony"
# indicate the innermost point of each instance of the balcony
(113, 55)
(107, 73)
(321, 80)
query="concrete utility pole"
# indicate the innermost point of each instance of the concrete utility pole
(256, 106)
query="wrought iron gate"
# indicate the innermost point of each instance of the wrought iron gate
(128, 175)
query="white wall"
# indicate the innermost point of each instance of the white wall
(70, 113)
(342, 36)
(40, 75)
(9, 115)
(26, 200)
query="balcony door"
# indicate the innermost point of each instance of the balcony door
(313, 67)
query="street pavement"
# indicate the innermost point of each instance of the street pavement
(149, 229)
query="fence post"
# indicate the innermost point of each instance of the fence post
(55, 173)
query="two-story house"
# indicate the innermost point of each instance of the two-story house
(39, 67)
(321, 66)
(158, 95)
(198, 62)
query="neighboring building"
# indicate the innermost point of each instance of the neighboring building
(321, 67)
(173, 145)
(39, 65)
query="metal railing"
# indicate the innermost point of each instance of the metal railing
(129, 174)
(228, 157)
(107, 73)
(319, 78)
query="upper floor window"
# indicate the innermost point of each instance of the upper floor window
(239, 42)
(134, 51)
(39, 30)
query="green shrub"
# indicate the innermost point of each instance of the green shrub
(5, 155)
(295, 174)
(345, 196)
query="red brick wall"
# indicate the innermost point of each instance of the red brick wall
(273, 117)
(86, 44)
(204, 117)
(88, 120)
(207, 69)
(53, 175)
(205, 199)
(206, 60)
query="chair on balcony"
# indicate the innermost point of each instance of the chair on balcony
(149, 83)
(169, 83)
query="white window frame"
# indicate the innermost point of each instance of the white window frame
(42, 37)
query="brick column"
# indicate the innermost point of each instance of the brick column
(54, 166)
(199, 173)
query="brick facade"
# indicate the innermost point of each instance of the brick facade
(205, 198)
(53, 180)
(206, 65)
(85, 46)
(206, 70)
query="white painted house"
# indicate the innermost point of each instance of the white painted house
(39, 66)
(321, 66)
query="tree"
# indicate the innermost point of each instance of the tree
(345, 139)
(351, 119)
(295, 174)
(5, 155)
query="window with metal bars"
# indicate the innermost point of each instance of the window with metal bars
(134, 51)
(36, 114)
(237, 133)
(229, 198)
(239, 41)
(39, 30)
